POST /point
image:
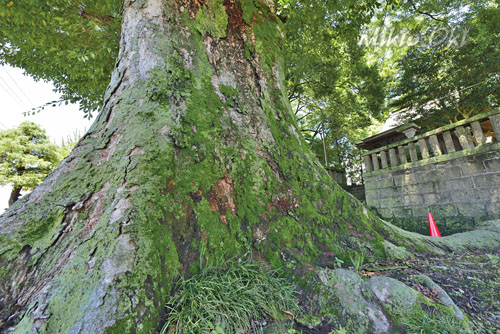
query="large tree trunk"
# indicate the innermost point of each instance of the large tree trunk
(195, 154)
(14, 194)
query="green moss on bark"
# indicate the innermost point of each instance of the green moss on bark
(211, 19)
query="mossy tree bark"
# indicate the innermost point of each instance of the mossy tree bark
(195, 155)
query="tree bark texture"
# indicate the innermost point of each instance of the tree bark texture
(195, 154)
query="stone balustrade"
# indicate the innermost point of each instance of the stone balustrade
(437, 145)
(452, 172)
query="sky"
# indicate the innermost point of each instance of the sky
(20, 93)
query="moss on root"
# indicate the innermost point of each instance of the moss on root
(343, 300)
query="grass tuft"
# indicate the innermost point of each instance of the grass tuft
(236, 298)
(422, 322)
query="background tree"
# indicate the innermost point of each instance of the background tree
(26, 157)
(453, 62)
(86, 40)
(69, 143)
(334, 92)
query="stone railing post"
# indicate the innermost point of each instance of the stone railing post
(393, 157)
(435, 145)
(448, 142)
(368, 163)
(461, 133)
(478, 133)
(376, 165)
(402, 154)
(413, 152)
(424, 150)
(495, 123)
(383, 159)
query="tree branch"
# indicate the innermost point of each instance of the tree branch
(427, 13)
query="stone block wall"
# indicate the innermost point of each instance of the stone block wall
(458, 192)
(357, 191)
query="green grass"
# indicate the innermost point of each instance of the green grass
(357, 260)
(422, 322)
(233, 297)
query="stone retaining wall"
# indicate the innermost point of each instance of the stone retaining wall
(357, 191)
(459, 191)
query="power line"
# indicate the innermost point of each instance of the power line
(11, 92)
(20, 89)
